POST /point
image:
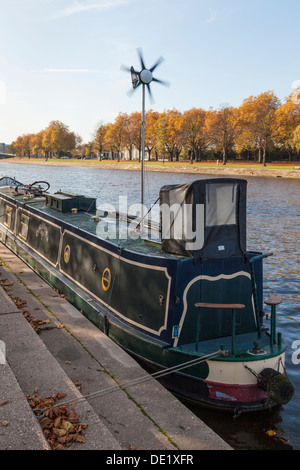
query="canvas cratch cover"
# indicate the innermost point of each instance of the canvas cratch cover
(205, 218)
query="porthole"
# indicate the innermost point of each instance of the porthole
(67, 254)
(106, 279)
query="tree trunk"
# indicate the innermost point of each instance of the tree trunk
(264, 157)
(191, 157)
(259, 155)
(199, 155)
(224, 156)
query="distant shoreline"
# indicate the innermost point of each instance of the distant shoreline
(231, 169)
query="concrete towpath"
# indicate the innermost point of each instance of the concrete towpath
(70, 355)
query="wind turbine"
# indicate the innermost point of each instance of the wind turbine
(143, 77)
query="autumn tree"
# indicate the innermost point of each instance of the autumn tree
(131, 134)
(17, 147)
(57, 138)
(135, 124)
(89, 147)
(296, 139)
(151, 118)
(116, 134)
(168, 133)
(36, 142)
(243, 136)
(22, 145)
(220, 126)
(194, 134)
(259, 118)
(259, 125)
(99, 140)
(287, 119)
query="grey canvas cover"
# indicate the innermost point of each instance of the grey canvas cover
(212, 215)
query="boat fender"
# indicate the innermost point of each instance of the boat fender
(278, 387)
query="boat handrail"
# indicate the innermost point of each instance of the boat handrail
(232, 307)
(254, 290)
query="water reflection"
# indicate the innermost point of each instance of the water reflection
(273, 226)
(260, 431)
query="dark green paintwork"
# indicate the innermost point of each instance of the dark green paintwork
(134, 289)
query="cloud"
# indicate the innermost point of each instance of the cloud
(213, 15)
(221, 14)
(78, 7)
(296, 84)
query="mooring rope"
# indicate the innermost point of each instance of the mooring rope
(130, 383)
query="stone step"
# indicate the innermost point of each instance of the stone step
(19, 428)
(71, 350)
(31, 367)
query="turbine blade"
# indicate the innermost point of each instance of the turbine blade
(159, 61)
(163, 82)
(125, 68)
(140, 54)
(150, 94)
(132, 90)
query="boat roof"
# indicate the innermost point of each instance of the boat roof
(202, 219)
(115, 228)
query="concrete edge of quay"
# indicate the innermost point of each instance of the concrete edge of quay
(70, 350)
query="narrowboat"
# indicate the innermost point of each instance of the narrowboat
(182, 296)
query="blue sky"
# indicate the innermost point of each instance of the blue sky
(60, 59)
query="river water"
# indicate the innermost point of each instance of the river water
(273, 226)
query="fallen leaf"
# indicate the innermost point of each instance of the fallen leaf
(58, 447)
(58, 432)
(61, 395)
(60, 424)
(57, 422)
(66, 425)
(131, 447)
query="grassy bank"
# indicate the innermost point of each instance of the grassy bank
(234, 168)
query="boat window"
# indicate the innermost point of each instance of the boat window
(7, 216)
(220, 207)
(23, 227)
(67, 253)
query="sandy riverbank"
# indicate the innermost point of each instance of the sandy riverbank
(275, 171)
